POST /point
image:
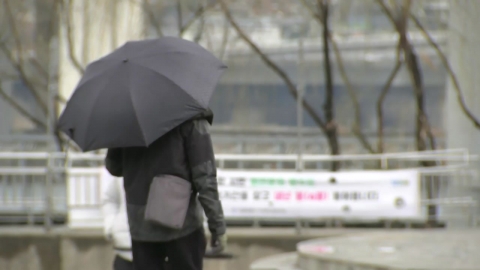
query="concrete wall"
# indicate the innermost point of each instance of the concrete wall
(32, 249)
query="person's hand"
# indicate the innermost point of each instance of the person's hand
(218, 243)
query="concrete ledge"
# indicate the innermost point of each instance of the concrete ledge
(285, 261)
(413, 250)
(248, 232)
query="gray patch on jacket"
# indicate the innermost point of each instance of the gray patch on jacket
(142, 230)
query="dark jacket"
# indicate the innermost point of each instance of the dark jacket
(186, 152)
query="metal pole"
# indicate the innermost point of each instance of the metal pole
(300, 91)
(48, 195)
(50, 133)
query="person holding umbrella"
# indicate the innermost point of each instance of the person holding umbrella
(147, 102)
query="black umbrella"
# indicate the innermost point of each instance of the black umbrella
(139, 92)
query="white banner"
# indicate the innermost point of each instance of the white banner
(348, 195)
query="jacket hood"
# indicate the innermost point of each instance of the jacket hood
(207, 115)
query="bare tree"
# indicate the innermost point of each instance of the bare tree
(451, 73)
(329, 106)
(381, 100)
(316, 12)
(399, 16)
(327, 125)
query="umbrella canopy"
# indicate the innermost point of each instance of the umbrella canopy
(139, 92)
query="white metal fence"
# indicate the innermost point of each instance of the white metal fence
(46, 187)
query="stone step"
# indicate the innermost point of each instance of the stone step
(284, 261)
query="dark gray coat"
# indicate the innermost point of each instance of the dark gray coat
(186, 152)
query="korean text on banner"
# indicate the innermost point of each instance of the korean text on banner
(355, 195)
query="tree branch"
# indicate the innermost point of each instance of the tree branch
(18, 64)
(10, 76)
(70, 39)
(405, 12)
(153, 20)
(389, 14)
(225, 38)
(200, 31)
(20, 109)
(39, 67)
(23, 75)
(357, 126)
(60, 99)
(13, 27)
(179, 17)
(198, 13)
(290, 85)
(451, 73)
(428, 130)
(312, 11)
(381, 99)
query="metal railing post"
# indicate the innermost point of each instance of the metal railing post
(48, 194)
(384, 163)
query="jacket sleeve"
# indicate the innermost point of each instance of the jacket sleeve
(110, 207)
(114, 162)
(201, 159)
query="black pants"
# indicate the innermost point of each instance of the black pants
(185, 253)
(122, 264)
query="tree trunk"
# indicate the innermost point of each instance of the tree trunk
(422, 127)
(329, 105)
(356, 127)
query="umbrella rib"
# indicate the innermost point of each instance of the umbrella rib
(95, 103)
(106, 70)
(135, 111)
